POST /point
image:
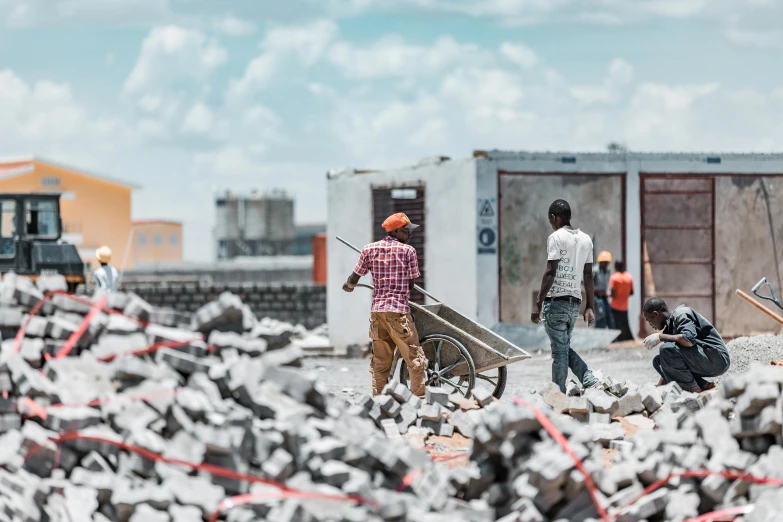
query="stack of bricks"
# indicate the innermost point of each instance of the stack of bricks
(294, 303)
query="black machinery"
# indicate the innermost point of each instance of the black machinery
(30, 238)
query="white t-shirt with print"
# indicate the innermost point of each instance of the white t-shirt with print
(573, 248)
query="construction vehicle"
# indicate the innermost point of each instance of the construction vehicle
(30, 238)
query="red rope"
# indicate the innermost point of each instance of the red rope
(547, 424)
(209, 468)
(701, 473)
(721, 515)
(79, 299)
(249, 498)
(75, 336)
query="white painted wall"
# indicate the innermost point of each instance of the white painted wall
(488, 265)
(450, 244)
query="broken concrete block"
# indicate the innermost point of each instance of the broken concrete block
(628, 404)
(482, 395)
(434, 394)
(756, 398)
(226, 312)
(553, 397)
(431, 412)
(601, 401)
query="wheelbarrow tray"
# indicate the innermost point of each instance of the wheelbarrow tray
(488, 349)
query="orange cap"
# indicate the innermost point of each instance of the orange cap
(605, 257)
(398, 220)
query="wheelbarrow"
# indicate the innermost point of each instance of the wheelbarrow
(460, 352)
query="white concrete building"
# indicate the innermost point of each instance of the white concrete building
(692, 228)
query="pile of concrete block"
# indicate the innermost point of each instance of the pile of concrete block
(517, 467)
(443, 413)
(109, 434)
(611, 404)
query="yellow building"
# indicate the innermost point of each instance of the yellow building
(96, 210)
(156, 241)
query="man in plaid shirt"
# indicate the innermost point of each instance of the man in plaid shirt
(394, 267)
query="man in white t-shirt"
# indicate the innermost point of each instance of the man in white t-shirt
(569, 263)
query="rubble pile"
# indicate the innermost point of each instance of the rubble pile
(158, 416)
(154, 415)
(398, 412)
(519, 469)
(610, 406)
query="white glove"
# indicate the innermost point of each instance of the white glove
(652, 341)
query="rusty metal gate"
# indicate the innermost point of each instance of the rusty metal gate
(678, 242)
(410, 200)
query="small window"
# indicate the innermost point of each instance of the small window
(7, 227)
(142, 240)
(157, 239)
(50, 181)
(173, 240)
(403, 193)
(41, 218)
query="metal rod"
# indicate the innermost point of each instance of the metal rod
(417, 287)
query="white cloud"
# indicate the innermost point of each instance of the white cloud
(392, 56)
(772, 39)
(171, 57)
(664, 113)
(232, 26)
(307, 43)
(674, 8)
(45, 118)
(109, 59)
(619, 75)
(198, 120)
(519, 54)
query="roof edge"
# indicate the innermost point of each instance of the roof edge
(76, 170)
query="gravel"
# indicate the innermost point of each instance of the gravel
(761, 348)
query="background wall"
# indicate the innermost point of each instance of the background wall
(295, 303)
(450, 245)
(597, 208)
(155, 242)
(749, 246)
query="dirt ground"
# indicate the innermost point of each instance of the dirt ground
(350, 378)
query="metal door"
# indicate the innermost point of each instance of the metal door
(678, 242)
(409, 200)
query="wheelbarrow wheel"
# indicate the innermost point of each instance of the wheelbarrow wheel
(449, 365)
(495, 378)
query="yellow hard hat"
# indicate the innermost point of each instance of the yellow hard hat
(605, 257)
(103, 254)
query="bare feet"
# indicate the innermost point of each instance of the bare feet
(661, 382)
(710, 386)
(695, 389)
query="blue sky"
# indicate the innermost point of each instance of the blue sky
(189, 97)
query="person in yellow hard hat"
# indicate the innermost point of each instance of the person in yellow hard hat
(604, 317)
(106, 277)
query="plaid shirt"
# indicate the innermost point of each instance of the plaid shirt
(393, 265)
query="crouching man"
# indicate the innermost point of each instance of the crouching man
(692, 348)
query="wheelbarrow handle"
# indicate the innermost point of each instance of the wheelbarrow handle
(417, 287)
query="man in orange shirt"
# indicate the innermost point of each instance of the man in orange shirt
(621, 287)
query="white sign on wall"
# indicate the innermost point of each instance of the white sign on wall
(487, 226)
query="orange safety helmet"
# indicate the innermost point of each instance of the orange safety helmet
(604, 256)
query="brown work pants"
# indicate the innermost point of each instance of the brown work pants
(390, 329)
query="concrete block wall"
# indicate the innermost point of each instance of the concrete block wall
(294, 303)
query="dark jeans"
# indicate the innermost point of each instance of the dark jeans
(559, 320)
(603, 310)
(621, 323)
(689, 366)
